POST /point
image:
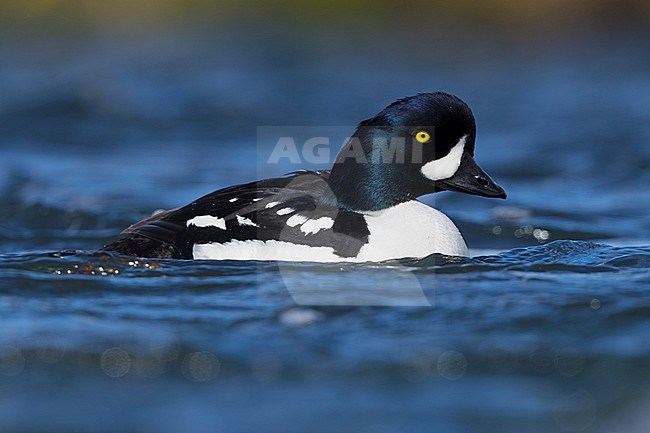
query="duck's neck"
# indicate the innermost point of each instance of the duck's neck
(357, 183)
(356, 193)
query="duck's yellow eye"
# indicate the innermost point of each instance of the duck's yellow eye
(423, 137)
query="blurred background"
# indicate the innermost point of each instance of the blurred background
(110, 110)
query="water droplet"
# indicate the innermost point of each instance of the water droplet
(201, 366)
(452, 365)
(541, 235)
(511, 213)
(165, 351)
(115, 362)
(300, 317)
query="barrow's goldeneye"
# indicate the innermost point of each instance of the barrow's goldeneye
(364, 209)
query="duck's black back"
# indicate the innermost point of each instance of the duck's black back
(251, 211)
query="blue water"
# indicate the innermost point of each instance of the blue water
(544, 328)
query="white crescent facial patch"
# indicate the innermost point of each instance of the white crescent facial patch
(445, 167)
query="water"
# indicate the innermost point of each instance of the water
(544, 329)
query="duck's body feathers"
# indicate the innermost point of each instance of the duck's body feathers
(287, 209)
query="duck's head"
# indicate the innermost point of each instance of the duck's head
(416, 146)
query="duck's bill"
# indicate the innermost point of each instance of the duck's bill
(471, 179)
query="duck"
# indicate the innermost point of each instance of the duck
(364, 209)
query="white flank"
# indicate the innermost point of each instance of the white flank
(285, 210)
(314, 226)
(232, 200)
(445, 167)
(207, 221)
(271, 204)
(410, 229)
(294, 220)
(265, 250)
(243, 221)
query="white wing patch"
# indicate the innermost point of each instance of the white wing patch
(271, 204)
(285, 210)
(207, 221)
(243, 221)
(294, 220)
(234, 199)
(445, 167)
(314, 226)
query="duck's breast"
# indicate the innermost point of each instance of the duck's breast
(410, 229)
